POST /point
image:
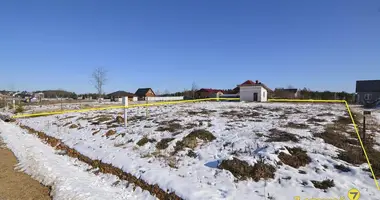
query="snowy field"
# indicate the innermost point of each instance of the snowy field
(218, 150)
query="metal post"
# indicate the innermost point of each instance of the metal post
(363, 136)
(125, 104)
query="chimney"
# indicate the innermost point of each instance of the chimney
(257, 81)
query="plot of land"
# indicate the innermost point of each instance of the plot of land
(227, 150)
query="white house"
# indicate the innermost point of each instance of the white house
(253, 91)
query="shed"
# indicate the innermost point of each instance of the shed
(253, 91)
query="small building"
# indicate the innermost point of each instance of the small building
(367, 91)
(253, 91)
(208, 93)
(290, 93)
(118, 95)
(141, 93)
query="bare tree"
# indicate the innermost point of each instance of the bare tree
(98, 79)
(166, 92)
(194, 88)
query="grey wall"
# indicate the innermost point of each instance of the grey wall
(360, 97)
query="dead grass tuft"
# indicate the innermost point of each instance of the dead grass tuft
(315, 120)
(164, 143)
(297, 126)
(190, 140)
(242, 170)
(323, 185)
(281, 136)
(110, 133)
(342, 168)
(72, 126)
(297, 158)
(143, 141)
(170, 126)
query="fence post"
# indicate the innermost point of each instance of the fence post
(14, 104)
(147, 110)
(125, 104)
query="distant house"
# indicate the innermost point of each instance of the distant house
(287, 93)
(208, 93)
(367, 91)
(141, 93)
(118, 95)
(253, 91)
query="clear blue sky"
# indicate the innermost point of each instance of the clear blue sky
(163, 44)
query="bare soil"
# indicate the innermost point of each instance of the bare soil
(17, 185)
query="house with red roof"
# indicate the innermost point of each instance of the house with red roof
(253, 91)
(208, 93)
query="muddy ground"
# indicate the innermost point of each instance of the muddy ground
(16, 185)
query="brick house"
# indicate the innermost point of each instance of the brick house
(141, 93)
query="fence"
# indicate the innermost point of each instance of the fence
(177, 98)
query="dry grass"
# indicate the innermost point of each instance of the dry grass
(342, 168)
(323, 185)
(72, 126)
(281, 136)
(242, 170)
(296, 125)
(297, 158)
(110, 133)
(190, 140)
(164, 143)
(170, 126)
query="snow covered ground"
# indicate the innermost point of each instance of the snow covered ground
(242, 130)
(69, 178)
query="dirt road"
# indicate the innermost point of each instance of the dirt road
(17, 185)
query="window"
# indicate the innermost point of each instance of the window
(367, 96)
(263, 94)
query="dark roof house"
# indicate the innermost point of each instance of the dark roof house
(145, 92)
(119, 94)
(368, 92)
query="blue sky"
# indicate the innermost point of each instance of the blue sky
(322, 45)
